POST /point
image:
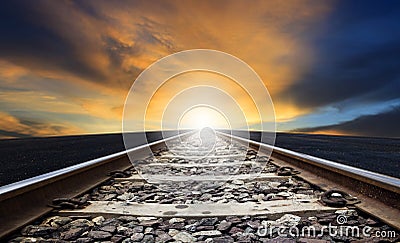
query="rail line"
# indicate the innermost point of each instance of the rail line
(227, 192)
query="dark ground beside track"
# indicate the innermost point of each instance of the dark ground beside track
(24, 158)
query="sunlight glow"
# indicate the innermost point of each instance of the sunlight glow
(201, 117)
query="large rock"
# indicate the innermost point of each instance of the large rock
(72, 234)
(137, 236)
(99, 235)
(176, 220)
(148, 239)
(109, 228)
(117, 238)
(235, 230)
(288, 220)
(98, 220)
(56, 221)
(223, 239)
(208, 221)
(34, 230)
(184, 237)
(233, 219)
(78, 223)
(224, 225)
(127, 219)
(84, 240)
(208, 233)
(138, 229)
(26, 239)
(161, 236)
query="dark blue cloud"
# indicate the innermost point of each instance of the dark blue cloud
(384, 124)
(27, 40)
(357, 56)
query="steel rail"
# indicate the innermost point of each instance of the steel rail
(13, 187)
(384, 181)
(379, 194)
(24, 201)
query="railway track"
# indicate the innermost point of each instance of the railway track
(212, 188)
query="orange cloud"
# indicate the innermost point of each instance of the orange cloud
(10, 72)
(332, 132)
(166, 94)
(102, 108)
(107, 44)
(13, 127)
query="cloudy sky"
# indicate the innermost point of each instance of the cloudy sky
(331, 67)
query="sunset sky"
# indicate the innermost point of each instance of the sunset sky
(331, 67)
